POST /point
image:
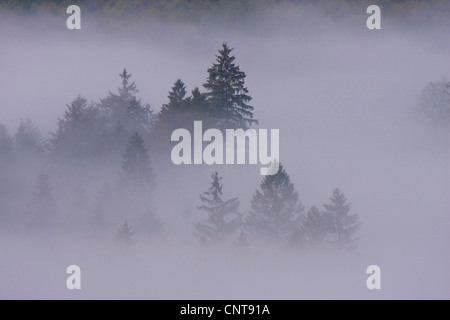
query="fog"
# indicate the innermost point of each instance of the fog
(341, 96)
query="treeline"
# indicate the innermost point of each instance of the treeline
(229, 12)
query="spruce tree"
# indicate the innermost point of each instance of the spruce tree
(315, 226)
(180, 112)
(125, 109)
(27, 137)
(77, 133)
(343, 225)
(200, 107)
(128, 90)
(177, 95)
(222, 219)
(171, 115)
(226, 92)
(136, 168)
(275, 208)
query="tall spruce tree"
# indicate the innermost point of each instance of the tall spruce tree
(275, 208)
(344, 226)
(223, 219)
(226, 92)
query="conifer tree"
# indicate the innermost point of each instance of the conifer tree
(222, 219)
(128, 90)
(136, 168)
(77, 132)
(200, 107)
(171, 114)
(316, 226)
(227, 94)
(27, 137)
(344, 226)
(125, 109)
(275, 208)
(180, 112)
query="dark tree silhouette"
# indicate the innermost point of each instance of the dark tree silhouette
(226, 92)
(180, 112)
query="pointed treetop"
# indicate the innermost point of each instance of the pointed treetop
(127, 89)
(215, 191)
(225, 53)
(227, 93)
(178, 92)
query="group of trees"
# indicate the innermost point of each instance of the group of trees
(276, 217)
(224, 105)
(101, 130)
(121, 134)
